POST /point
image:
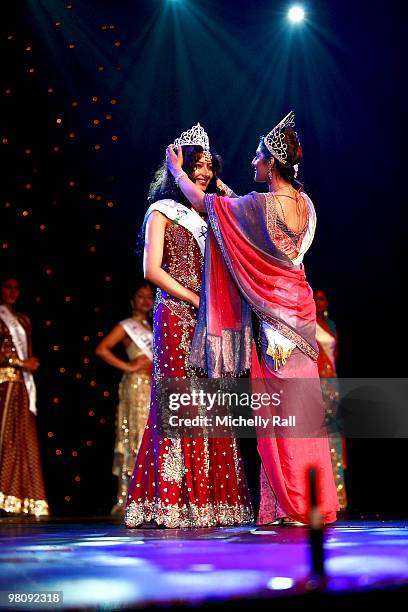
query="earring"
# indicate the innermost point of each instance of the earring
(269, 174)
(326, 314)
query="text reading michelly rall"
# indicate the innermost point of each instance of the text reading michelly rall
(231, 421)
(209, 401)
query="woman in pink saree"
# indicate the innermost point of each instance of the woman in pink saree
(253, 264)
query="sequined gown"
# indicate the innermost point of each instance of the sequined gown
(131, 419)
(21, 479)
(183, 482)
(327, 339)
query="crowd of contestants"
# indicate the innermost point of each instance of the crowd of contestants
(183, 482)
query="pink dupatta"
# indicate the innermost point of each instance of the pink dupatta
(244, 270)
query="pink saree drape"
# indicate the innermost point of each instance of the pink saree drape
(245, 271)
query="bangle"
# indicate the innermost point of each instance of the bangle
(223, 187)
(15, 362)
(178, 177)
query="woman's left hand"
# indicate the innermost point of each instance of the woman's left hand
(174, 160)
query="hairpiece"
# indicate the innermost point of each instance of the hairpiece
(275, 140)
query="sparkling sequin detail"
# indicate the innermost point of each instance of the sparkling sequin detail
(183, 482)
(36, 507)
(131, 418)
(191, 515)
(10, 375)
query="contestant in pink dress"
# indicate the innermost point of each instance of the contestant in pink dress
(255, 248)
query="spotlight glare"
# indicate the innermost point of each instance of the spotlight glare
(296, 14)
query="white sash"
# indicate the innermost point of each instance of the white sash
(180, 214)
(142, 337)
(19, 337)
(327, 342)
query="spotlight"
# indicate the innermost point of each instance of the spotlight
(296, 14)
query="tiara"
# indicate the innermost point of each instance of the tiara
(275, 140)
(195, 136)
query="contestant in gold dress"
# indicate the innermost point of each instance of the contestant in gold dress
(135, 334)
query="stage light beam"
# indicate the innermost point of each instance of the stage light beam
(296, 14)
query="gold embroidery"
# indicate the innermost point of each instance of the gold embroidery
(191, 515)
(131, 419)
(182, 310)
(10, 375)
(270, 214)
(173, 466)
(180, 253)
(9, 503)
(288, 333)
(237, 459)
(279, 355)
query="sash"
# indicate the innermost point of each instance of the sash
(142, 337)
(19, 337)
(180, 214)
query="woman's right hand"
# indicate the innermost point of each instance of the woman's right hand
(174, 160)
(31, 364)
(195, 300)
(139, 364)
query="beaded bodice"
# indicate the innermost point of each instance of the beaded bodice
(182, 257)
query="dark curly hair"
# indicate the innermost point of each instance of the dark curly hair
(294, 156)
(164, 186)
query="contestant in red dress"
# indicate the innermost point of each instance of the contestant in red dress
(182, 482)
(22, 489)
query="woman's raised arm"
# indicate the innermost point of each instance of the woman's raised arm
(190, 189)
(153, 257)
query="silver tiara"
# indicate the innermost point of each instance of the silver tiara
(275, 140)
(195, 136)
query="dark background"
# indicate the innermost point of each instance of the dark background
(92, 93)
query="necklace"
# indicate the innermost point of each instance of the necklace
(281, 207)
(298, 207)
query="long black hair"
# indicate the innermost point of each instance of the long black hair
(163, 185)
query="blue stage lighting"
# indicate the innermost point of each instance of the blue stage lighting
(296, 14)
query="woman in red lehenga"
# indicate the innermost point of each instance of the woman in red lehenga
(181, 482)
(254, 254)
(22, 490)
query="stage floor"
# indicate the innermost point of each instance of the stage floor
(101, 565)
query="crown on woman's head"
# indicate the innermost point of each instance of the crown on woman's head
(275, 140)
(195, 136)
